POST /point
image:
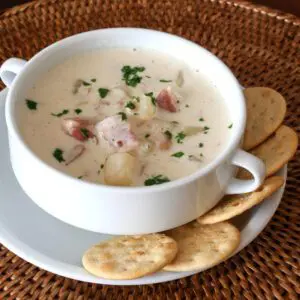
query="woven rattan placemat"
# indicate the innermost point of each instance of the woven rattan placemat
(262, 48)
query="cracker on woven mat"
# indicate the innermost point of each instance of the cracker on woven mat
(129, 257)
(266, 109)
(202, 246)
(276, 151)
(233, 205)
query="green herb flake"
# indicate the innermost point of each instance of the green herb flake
(148, 76)
(58, 154)
(150, 94)
(79, 177)
(201, 120)
(130, 75)
(123, 115)
(178, 154)
(85, 83)
(103, 92)
(32, 105)
(147, 135)
(180, 137)
(201, 155)
(62, 113)
(84, 132)
(206, 128)
(187, 105)
(230, 126)
(159, 179)
(201, 145)
(78, 111)
(93, 80)
(102, 166)
(165, 80)
(130, 105)
(168, 134)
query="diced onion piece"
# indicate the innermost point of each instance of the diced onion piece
(194, 158)
(147, 108)
(192, 130)
(146, 147)
(180, 79)
(74, 153)
(119, 169)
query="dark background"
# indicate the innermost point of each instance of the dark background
(290, 6)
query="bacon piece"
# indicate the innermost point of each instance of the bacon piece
(167, 100)
(164, 144)
(80, 129)
(118, 133)
(74, 153)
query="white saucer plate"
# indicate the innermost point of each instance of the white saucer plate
(52, 245)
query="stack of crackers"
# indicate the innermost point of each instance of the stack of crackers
(210, 239)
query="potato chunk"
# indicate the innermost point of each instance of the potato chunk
(120, 169)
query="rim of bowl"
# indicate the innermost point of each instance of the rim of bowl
(232, 144)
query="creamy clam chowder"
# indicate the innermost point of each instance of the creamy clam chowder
(125, 117)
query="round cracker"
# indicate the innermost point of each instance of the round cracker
(233, 205)
(129, 257)
(202, 246)
(266, 109)
(275, 152)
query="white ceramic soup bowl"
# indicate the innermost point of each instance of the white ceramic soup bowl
(128, 210)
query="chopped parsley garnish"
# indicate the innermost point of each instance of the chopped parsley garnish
(206, 128)
(178, 154)
(201, 155)
(85, 83)
(58, 154)
(64, 112)
(103, 92)
(93, 80)
(147, 135)
(84, 132)
(123, 115)
(32, 105)
(130, 75)
(165, 80)
(201, 145)
(168, 134)
(201, 120)
(187, 105)
(148, 76)
(130, 105)
(78, 111)
(102, 166)
(150, 94)
(179, 137)
(79, 177)
(158, 179)
(230, 126)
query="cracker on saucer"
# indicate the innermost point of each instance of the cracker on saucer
(266, 109)
(275, 152)
(202, 246)
(129, 257)
(233, 205)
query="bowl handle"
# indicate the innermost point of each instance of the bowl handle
(252, 164)
(10, 69)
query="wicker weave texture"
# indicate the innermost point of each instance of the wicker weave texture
(262, 47)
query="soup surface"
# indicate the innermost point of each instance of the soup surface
(125, 117)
